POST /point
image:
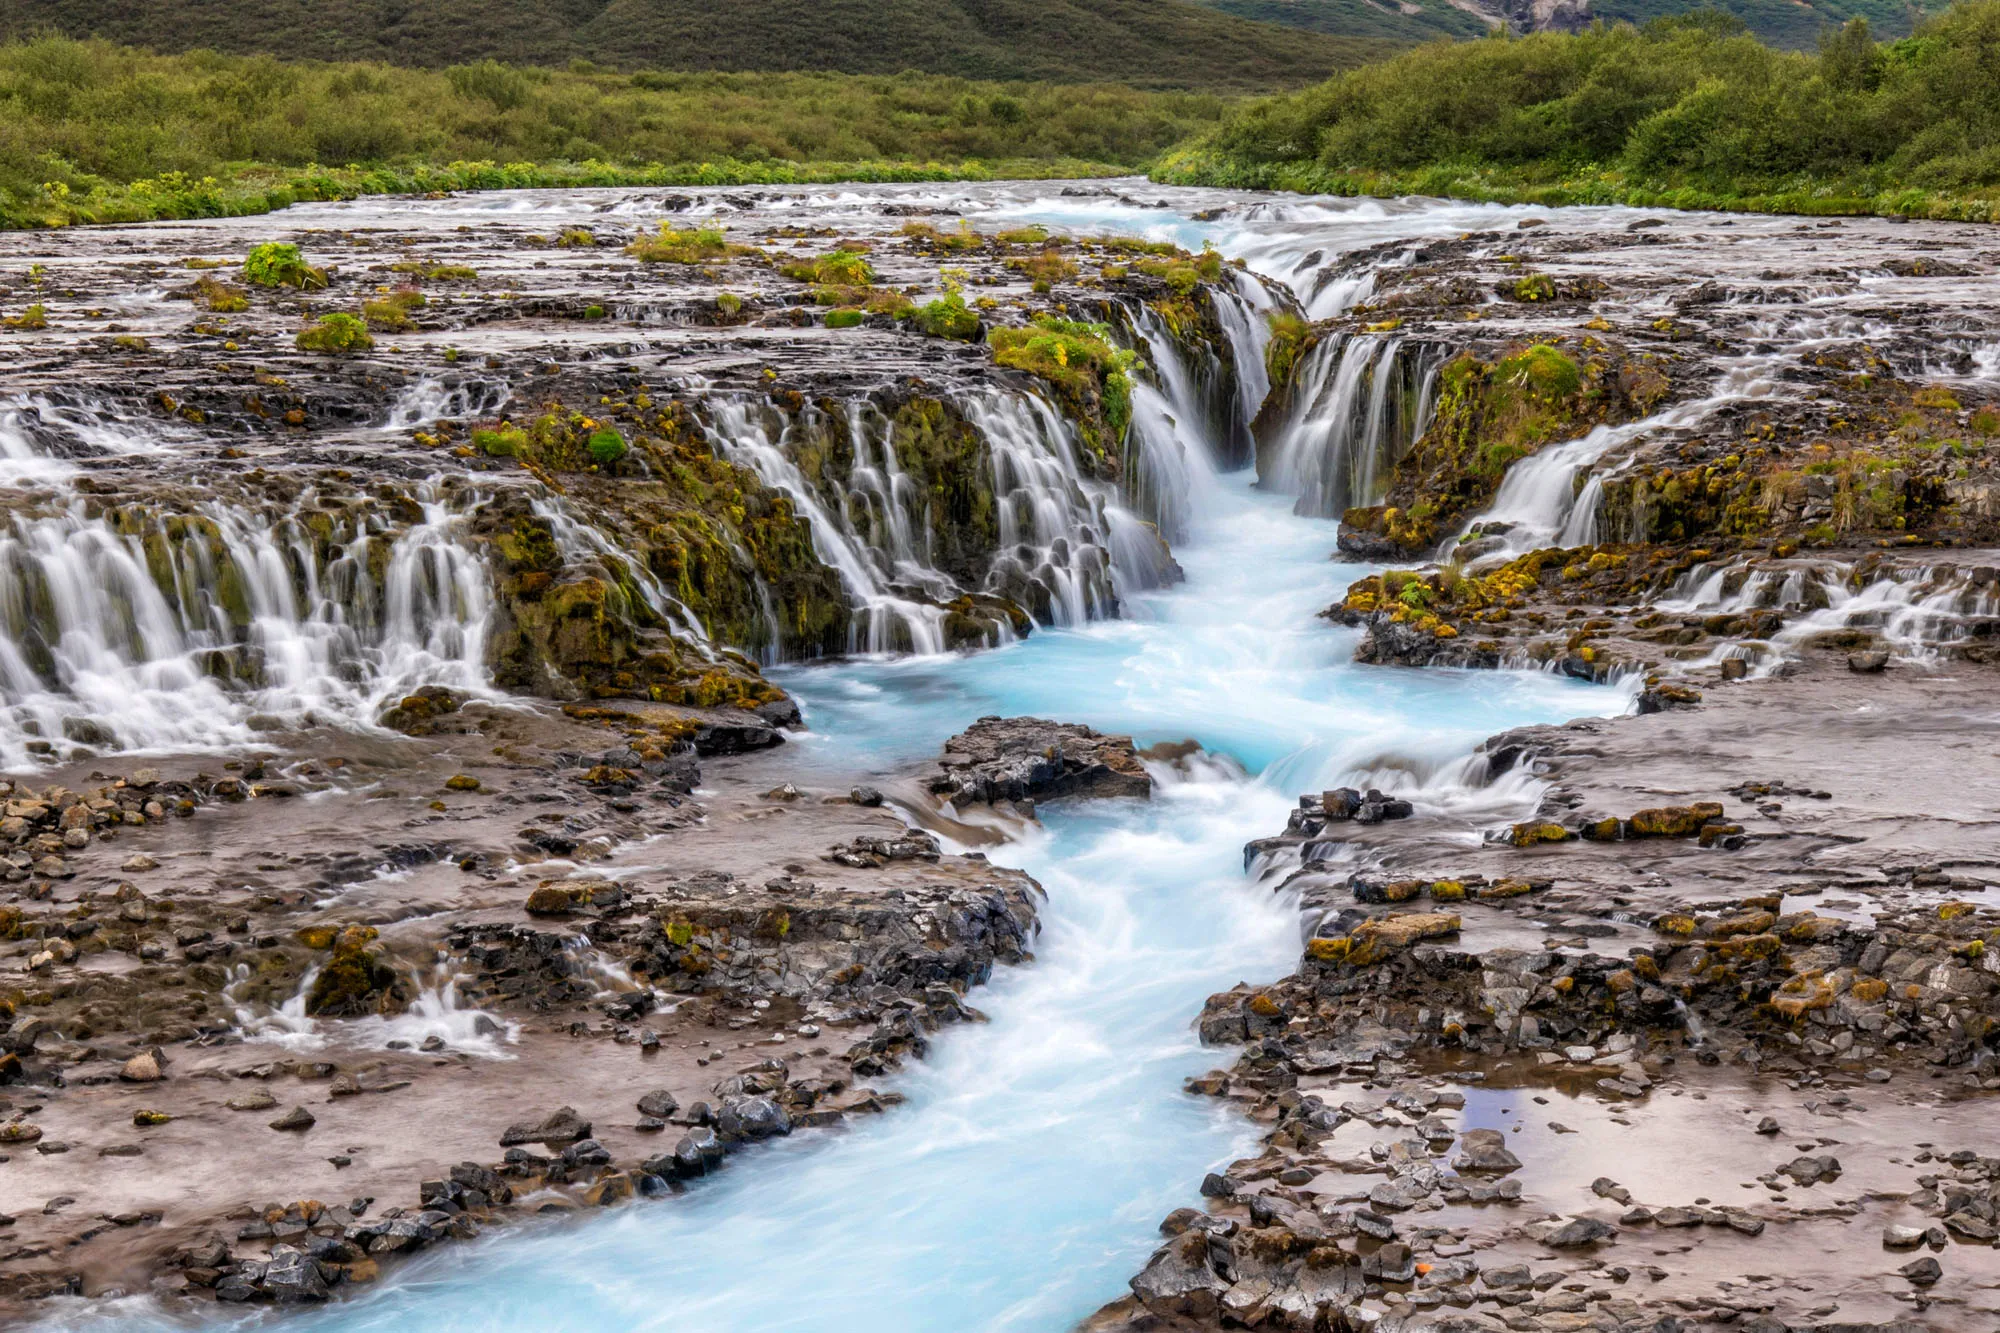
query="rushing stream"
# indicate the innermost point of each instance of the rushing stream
(1021, 1183)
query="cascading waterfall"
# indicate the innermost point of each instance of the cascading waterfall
(432, 399)
(1169, 451)
(1554, 498)
(752, 432)
(1360, 401)
(583, 546)
(1068, 550)
(1244, 314)
(196, 631)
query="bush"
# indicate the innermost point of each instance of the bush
(607, 446)
(1075, 357)
(840, 268)
(336, 334)
(701, 246)
(1683, 112)
(276, 264)
(500, 441)
(35, 316)
(947, 317)
(843, 319)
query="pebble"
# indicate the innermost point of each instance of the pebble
(298, 1118)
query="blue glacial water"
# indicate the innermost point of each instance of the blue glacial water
(1020, 1185)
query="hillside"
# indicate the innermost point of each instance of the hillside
(1686, 112)
(1793, 24)
(1142, 43)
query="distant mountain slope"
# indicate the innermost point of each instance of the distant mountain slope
(1788, 23)
(1407, 20)
(1145, 43)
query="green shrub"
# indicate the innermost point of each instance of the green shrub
(1544, 372)
(35, 316)
(839, 268)
(729, 303)
(1533, 287)
(843, 319)
(947, 317)
(607, 446)
(1074, 357)
(1288, 338)
(277, 264)
(594, 312)
(500, 441)
(575, 238)
(336, 334)
(703, 245)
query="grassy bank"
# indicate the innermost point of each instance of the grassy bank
(1687, 113)
(91, 132)
(1140, 43)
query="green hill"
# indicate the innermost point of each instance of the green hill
(1142, 43)
(1792, 24)
(1420, 21)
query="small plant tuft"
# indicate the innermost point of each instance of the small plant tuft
(277, 264)
(336, 334)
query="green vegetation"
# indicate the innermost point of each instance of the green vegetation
(275, 264)
(1149, 43)
(35, 316)
(1361, 18)
(336, 334)
(1091, 375)
(1686, 113)
(844, 319)
(947, 317)
(841, 268)
(500, 441)
(607, 446)
(391, 314)
(90, 132)
(219, 296)
(702, 246)
(1794, 24)
(1289, 335)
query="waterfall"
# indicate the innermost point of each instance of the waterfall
(1171, 451)
(752, 432)
(1244, 314)
(1067, 548)
(452, 399)
(1358, 403)
(195, 631)
(1553, 497)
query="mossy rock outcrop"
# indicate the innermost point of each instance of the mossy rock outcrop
(1493, 410)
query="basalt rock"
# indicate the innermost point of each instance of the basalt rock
(1014, 759)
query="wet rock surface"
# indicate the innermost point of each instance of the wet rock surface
(1030, 759)
(1668, 1022)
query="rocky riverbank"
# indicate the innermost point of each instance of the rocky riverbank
(690, 973)
(1692, 1023)
(438, 555)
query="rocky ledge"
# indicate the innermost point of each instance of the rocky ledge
(1028, 759)
(528, 901)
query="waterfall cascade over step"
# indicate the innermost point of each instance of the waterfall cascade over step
(1357, 403)
(198, 620)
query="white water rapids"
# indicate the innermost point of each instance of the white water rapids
(1021, 1184)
